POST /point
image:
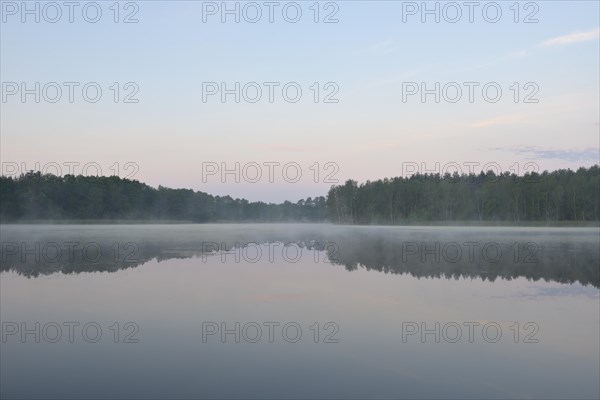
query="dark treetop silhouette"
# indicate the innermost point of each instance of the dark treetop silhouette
(563, 195)
(34, 196)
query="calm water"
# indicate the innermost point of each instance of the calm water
(299, 311)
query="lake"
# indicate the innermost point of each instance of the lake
(299, 311)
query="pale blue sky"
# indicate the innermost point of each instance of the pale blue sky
(369, 53)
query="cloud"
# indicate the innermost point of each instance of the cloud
(501, 120)
(386, 46)
(574, 37)
(590, 154)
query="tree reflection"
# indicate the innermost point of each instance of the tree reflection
(559, 257)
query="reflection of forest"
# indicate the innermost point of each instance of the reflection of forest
(560, 256)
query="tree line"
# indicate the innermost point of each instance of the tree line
(562, 195)
(36, 196)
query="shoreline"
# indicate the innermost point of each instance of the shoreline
(522, 224)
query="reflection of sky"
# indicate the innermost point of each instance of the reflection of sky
(170, 300)
(550, 290)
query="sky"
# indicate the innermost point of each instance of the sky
(369, 74)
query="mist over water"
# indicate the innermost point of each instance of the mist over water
(299, 310)
(566, 255)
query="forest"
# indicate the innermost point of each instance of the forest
(562, 195)
(33, 196)
(557, 196)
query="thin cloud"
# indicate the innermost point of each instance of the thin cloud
(574, 37)
(501, 120)
(589, 154)
(384, 47)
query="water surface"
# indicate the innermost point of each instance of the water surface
(162, 295)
